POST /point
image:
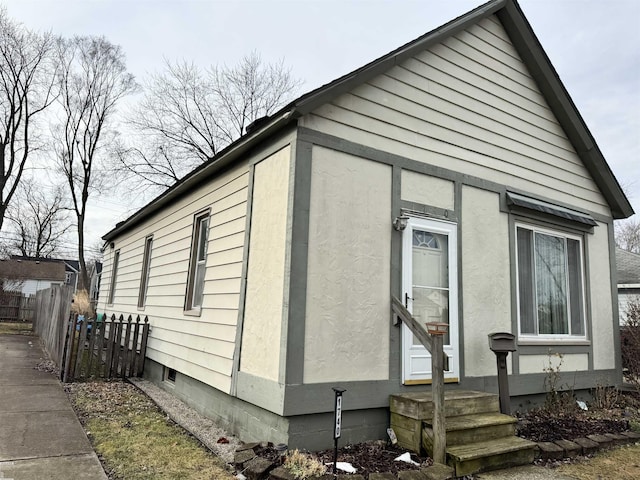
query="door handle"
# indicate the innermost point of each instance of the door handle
(406, 300)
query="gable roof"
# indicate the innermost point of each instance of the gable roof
(628, 267)
(69, 265)
(529, 49)
(31, 270)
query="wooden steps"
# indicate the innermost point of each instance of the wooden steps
(490, 455)
(465, 429)
(479, 438)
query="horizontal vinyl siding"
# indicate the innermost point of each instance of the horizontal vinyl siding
(199, 346)
(469, 105)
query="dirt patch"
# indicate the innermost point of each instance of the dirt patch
(374, 457)
(544, 426)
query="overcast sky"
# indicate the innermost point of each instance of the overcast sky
(593, 44)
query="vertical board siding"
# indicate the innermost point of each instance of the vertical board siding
(468, 104)
(199, 346)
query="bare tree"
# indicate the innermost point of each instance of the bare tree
(40, 221)
(188, 115)
(26, 89)
(92, 79)
(627, 233)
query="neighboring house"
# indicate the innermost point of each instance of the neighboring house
(95, 274)
(30, 276)
(72, 272)
(454, 173)
(628, 280)
(71, 268)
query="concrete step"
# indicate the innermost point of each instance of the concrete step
(419, 405)
(478, 427)
(490, 455)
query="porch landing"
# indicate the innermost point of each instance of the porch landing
(479, 437)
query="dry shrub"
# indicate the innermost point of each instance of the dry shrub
(81, 304)
(302, 465)
(630, 343)
(605, 397)
(560, 399)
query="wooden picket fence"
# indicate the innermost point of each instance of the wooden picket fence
(16, 307)
(104, 348)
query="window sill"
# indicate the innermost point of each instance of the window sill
(194, 312)
(524, 341)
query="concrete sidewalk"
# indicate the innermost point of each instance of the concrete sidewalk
(40, 435)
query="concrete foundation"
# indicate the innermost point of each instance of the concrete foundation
(251, 423)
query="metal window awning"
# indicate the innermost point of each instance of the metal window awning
(514, 199)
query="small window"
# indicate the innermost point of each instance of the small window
(114, 272)
(67, 278)
(170, 375)
(146, 267)
(550, 283)
(197, 268)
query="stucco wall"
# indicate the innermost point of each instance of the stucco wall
(263, 314)
(601, 300)
(485, 278)
(427, 190)
(571, 362)
(348, 276)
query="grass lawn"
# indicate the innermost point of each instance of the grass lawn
(15, 328)
(619, 463)
(135, 440)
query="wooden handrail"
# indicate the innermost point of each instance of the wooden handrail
(438, 359)
(401, 313)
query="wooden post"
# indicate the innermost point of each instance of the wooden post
(437, 391)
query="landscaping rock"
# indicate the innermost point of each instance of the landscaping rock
(633, 436)
(617, 438)
(257, 468)
(247, 446)
(550, 451)
(411, 475)
(350, 477)
(570, 449)
(438, 471)
(603, 440)
(281, 473)
(382, 476)
(588, 446)
(242, 456)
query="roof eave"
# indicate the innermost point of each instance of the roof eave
(560, 102)
(314, 99)
(225, 157)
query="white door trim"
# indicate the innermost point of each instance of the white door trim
(416, 360)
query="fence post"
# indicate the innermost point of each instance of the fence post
(68, 347)
(125, 353)
(143, 346)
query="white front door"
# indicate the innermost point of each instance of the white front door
(430, 293)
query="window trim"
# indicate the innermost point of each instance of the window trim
(144, 274)
(114, 273)
(194, 262)
(537, 338)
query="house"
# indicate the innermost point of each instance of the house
(72, 272)
(628, 280)
(454, 173)
(71, 268)
(95, 274)
(30, 276)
